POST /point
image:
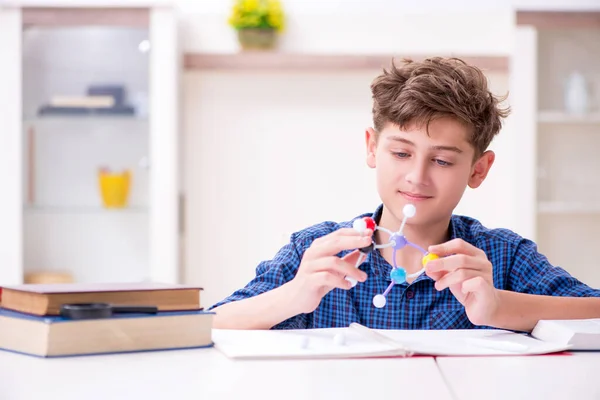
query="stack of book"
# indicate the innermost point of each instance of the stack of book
(31, 320)
(99, 100)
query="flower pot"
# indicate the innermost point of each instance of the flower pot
(257, 38)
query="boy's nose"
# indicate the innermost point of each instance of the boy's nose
(417, 175)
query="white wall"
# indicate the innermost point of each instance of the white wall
(329, 27)
(259, 167)
(362, 7)
(249, 135)
(493, 202)
(327, 6)
(459, 26)
(246, 191)
(271, 153)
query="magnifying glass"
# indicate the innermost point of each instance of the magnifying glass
(101, 310)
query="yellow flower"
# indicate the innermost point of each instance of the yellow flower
(262, 14)
(276, 21)
(249, 5)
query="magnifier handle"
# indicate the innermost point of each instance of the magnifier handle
(135, 309)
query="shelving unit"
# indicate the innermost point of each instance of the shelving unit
(56, 220)
(558, 166)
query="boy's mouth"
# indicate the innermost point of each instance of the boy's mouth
(414, 196)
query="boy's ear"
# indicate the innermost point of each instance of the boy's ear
(371, 142)
(481, 168)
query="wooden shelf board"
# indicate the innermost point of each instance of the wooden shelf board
(84, 210)
(115, 16)
(566, 118)
(272, 60)
(85, 119)
(88, 3)
(559, 19)
(560, 207)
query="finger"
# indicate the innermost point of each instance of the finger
(336, 234)
(330, 281)
(355, 258)
(332, 245)
(454, 246)
(454, 262)
(435, 275)
(350, 232)
(366, 232)
(455, 278)
(473, 285)
(339, 267)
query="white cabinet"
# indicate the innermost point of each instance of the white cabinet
(559, 166)
(89, 143)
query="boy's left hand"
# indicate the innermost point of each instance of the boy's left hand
(466, 270)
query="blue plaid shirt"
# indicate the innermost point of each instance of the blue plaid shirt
(517, 266)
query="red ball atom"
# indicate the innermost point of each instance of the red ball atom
(370, 223)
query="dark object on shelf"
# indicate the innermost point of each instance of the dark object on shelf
(117, 92)
(118, 110)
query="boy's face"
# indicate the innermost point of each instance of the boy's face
(430, 171)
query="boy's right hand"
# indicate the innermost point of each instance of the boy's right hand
(322, 271)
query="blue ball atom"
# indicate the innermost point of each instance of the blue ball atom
(398, 275)
(399, 241)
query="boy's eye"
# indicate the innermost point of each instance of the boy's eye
(442, 162)
(401, 154)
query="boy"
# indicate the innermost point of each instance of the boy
(433, 122)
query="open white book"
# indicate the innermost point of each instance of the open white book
(359, 341)
(581, 334)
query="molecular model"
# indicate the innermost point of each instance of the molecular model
(397, 241)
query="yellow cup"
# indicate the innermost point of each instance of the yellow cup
(114, 188)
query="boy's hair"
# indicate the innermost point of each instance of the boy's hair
(418, 92)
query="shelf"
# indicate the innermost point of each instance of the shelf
(38, 13)
(273, 60)
(561, 117)
(82, 210)
(562, 207)
(559, 19)
(85, 118)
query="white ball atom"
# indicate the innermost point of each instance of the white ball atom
(360, 225)
(352, 280)
(409, 211)
(339, 339)
(379, 301)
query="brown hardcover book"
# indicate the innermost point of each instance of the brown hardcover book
(46, 299)
(50, 336)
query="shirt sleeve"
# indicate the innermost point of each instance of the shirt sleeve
(272, 274)
(532, 273)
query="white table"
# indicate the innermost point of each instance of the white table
(207, 374)
(553, 377)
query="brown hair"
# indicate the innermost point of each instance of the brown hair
(418, 92)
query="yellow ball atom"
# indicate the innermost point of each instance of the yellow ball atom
(429, 257)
